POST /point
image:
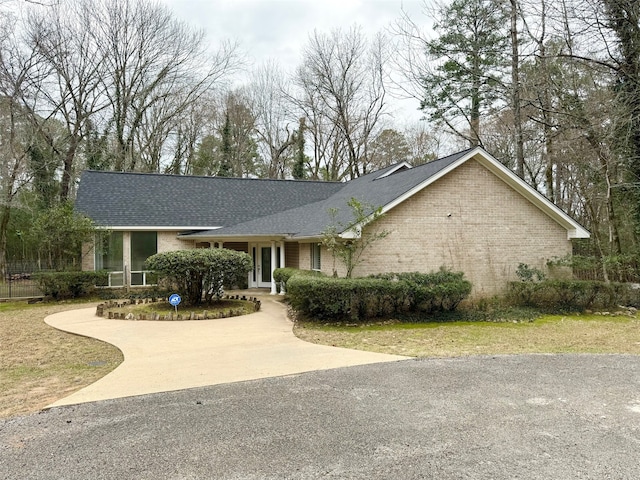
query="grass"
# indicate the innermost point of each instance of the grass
(548, 334)
(39, 364)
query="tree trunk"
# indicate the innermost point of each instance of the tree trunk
(5, 215)
(67, 171)
(515, 81)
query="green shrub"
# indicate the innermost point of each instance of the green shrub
(281, 275)
(359, 299)
(529, 274)
(201, 274)
(431, 292)
(60, 285)
(570, 295)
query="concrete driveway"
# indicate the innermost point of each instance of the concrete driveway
(167, 356)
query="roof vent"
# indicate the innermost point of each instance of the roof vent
(395, 169)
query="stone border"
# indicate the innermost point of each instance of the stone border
(205, 315)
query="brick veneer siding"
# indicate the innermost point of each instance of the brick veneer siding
(491, 230)
(88, 257)
(169, 241)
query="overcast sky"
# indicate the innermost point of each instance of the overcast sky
(278, 29)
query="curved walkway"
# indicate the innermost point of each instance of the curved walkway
(165, 356)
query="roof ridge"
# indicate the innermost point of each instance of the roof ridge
(156, 174)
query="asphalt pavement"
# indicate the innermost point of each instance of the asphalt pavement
(506, 417)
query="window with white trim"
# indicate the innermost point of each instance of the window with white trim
(315, 256)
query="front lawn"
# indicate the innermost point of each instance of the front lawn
(549, 334)
(39, 364)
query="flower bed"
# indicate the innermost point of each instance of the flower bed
(109, 309)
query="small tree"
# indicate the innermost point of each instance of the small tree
(348, 241)
(201, 274)
(57, 234)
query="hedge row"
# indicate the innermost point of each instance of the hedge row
(59, 285)
(282, 275)
(358, 299)
(571, 295)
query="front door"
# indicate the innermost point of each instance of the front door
(264, 266)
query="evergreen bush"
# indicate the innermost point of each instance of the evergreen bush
(62, 285)
(200, 274)
(570, 295)
(358, 299)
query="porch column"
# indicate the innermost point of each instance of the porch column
(273, 266)
(220, 244)
(126, 260)
(282, 265)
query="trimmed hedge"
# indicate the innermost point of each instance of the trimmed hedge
(284, 274)
(571, 295)
(59, 285)
(358, 299)
(200, 274)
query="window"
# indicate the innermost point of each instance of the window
(315, 256)
(143, 245)
(108, 256)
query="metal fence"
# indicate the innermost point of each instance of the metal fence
(18, 282)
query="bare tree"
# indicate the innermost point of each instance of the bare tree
(18, 83)
(516, 93)
(275, 124)
(71, 90)
(343, 95)
(156, 67)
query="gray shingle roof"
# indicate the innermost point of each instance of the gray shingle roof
(117, 199)
(311, 219)
(267, 208)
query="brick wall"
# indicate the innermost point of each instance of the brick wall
(468, 220)
(88, 256)
(169, 241)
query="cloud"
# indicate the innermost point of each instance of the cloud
(278, 29)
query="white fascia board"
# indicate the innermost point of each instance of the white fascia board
(574, 229)
(428, 182)
(237, 238)
(139, 228)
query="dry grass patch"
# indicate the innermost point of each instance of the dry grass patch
(39, 364)
(550, 334)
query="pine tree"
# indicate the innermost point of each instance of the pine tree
(471, 54)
